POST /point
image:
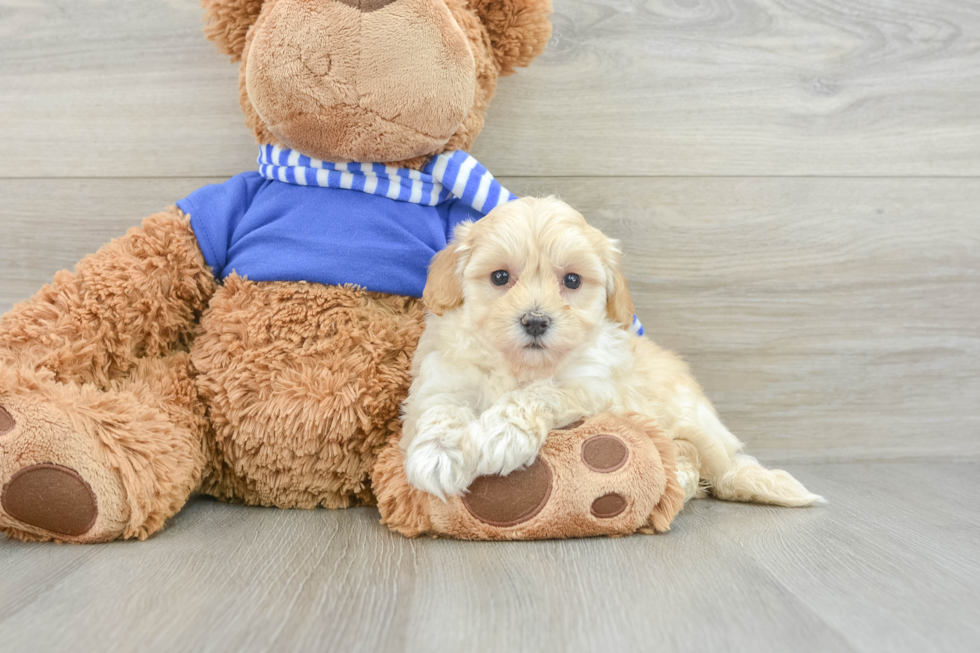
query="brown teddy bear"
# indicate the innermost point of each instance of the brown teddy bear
(192, 354)
(253, 341)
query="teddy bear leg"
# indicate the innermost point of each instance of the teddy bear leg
(95, 438)
(78, 464)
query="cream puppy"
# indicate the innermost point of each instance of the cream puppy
(529, 330)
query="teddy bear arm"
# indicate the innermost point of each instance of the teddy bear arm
(139, 296)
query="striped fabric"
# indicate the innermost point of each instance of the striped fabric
(450, 175)
(637, 327)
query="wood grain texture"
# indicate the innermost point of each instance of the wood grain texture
(890, 565)
(828, 319)
(643, 87)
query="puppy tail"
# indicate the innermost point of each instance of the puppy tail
(747, 480)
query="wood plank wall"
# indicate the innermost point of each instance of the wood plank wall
(796, 184)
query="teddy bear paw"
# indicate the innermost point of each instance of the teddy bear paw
(52, 486)
(602, 476)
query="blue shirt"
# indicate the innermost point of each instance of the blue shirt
(274, 231)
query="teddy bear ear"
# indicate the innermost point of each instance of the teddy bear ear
(226, 23)
(519, 29)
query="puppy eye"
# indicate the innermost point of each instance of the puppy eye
(572, 281)
(500, 277)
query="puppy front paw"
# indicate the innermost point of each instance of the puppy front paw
(505, 449)
(440, 468)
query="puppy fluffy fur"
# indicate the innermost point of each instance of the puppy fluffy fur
(489, 385)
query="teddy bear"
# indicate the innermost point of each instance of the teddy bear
(253, 341)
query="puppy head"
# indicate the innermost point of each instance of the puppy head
(533, 279)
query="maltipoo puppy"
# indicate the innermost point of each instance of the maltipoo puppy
(529, 330)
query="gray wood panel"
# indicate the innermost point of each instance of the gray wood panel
(713, 87)
(889, 565)
(829, 319)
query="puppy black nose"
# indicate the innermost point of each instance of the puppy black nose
(535, 324)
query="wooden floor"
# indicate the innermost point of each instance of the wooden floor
(797, 187)
(891, 565)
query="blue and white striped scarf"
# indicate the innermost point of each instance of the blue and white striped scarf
(450, 175)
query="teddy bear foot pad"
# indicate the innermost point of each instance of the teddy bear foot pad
(52, 479)
(51, 497)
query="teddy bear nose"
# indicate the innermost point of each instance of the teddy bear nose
(535, 324)
(367, 6)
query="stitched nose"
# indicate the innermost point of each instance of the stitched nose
(367, 6)
(535, 324)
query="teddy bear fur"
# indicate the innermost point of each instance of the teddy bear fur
(138, 378)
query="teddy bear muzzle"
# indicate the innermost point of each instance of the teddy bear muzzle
(360, 80)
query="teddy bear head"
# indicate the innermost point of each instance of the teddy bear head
(387, 81)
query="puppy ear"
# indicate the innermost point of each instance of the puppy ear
(227, 23)
(619, 302)
(444, 286)
(519, 29)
